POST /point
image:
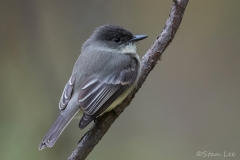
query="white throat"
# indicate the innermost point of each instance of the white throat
(130, 48)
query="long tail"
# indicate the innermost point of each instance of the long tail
(55, 131)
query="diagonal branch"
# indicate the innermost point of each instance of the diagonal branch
(149, 60)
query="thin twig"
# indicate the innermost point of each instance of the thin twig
(149, 60)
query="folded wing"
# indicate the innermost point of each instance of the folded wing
(97, 95)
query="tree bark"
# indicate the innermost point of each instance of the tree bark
(149, 60)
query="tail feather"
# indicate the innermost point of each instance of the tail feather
(55, 131)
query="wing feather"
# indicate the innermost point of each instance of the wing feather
(67, 93)
(98, 94)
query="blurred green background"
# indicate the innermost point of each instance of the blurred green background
(189, 103)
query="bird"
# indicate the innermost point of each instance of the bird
(106, 71)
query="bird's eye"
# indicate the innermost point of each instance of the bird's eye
(117, 40)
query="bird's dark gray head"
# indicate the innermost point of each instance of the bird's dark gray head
(113, 37)
(113, 34)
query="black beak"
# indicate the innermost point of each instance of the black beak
(138, 38)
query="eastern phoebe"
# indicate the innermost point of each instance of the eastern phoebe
(107, 69)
